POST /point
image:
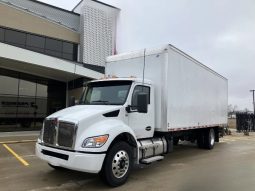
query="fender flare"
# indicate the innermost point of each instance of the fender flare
(130, 139)
(126, 137)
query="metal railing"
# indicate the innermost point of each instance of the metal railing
(245, 122)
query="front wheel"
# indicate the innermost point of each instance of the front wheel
(118, 164)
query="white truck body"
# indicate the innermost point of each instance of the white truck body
(148, 101)
(188, 94)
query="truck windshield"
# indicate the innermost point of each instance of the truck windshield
(106, 93)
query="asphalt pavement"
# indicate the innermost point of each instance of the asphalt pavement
(230, 166)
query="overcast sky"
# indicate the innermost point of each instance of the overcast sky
(219, 33)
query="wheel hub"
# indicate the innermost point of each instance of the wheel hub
(120, 164)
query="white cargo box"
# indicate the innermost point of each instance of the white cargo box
(187, 93)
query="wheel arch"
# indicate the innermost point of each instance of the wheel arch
(129, 139)
(126, 137)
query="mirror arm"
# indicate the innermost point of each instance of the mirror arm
(128, 109)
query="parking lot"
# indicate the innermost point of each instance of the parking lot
(229, 166)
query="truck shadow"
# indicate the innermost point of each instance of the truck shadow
(183, 154)
(65, 179)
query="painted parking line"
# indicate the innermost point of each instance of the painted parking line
(14, 142)
(19, 158)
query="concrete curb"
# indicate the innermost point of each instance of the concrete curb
(19, 134)
(15, 142)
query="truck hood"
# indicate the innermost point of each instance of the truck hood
(79, 112)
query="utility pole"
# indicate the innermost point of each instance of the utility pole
(253, 101)
(253, 117)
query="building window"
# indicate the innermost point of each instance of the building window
(68, 51)
(35, 43)
(68, 47)
(53, 53)
(1, 35)
(41, 44)
(25, 100)
(27, 88)
(9, 88)
(15, 38)
(54, 45)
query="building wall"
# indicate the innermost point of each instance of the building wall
(98, 32)
(18, 19)
(38, 81)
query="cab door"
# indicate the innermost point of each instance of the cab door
(143, 124)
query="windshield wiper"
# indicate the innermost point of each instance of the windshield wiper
(101, 101)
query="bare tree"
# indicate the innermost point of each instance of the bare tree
(232, 110)
(246, 110)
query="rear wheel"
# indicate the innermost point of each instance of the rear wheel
(209, 138)
(117, 164)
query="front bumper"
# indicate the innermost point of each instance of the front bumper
(85, 162)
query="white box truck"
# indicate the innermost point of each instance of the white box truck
(148, 101)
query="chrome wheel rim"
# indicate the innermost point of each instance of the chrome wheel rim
(212, 137)
(120, 164)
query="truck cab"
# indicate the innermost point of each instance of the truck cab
(123, 93)
(110, 110)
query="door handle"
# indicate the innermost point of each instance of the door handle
(148, 128)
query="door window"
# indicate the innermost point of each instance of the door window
(140, 89)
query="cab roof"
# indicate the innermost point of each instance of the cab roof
(138, 80)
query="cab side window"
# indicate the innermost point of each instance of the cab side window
(140, 89)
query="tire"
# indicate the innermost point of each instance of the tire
(209, 138)
(55, 167)
(117, 165)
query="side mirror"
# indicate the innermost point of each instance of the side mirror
(71, 101)
(142, 103)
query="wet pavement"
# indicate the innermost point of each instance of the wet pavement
(230, 166)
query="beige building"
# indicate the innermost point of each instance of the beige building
(46, 54)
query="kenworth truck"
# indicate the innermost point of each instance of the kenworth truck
(147, 102)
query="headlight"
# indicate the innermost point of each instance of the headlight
(95, 142)
(40, 137)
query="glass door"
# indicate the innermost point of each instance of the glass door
(25, 100)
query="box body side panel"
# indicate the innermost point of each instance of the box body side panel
(196, 96)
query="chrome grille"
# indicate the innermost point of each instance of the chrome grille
(59, 133)
(49, 132)
(66, 134)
